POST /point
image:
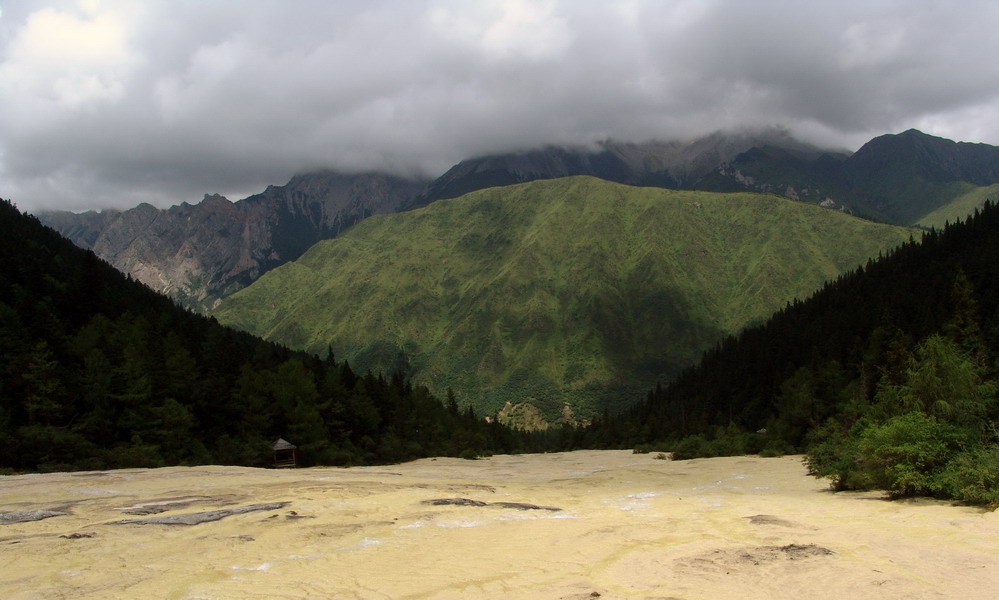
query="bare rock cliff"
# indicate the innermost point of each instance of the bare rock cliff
(202, 252)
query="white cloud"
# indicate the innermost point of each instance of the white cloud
(59, 63)
(109, 102)
(504, 30)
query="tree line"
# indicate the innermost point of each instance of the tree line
(887, 377)
(99, 371)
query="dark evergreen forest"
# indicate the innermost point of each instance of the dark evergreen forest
(98, 371)
(886, 377)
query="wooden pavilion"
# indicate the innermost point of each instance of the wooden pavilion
(284, 453)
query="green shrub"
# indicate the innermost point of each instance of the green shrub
(775, 448)
(729, 441)
(972, 476)
(904, 454)
(694, 446)
(647, 448)
(834, 454)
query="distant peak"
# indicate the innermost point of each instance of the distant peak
(907, 138)
(917, 134)
(211, 199)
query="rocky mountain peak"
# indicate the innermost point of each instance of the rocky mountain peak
(215, 200)
(199, 253)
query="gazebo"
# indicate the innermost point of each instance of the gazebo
(284, 453)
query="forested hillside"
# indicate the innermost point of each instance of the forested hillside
(887, 377)
(572, 295)
(99, 371)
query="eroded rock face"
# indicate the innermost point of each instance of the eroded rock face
(200, 253)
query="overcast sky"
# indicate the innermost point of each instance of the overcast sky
(111, 103)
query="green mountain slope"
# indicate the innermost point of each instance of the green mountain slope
(966, 198)
(572, 291)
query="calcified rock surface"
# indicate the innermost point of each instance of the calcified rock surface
(630, 526)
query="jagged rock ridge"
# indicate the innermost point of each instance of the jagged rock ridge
(202, 252)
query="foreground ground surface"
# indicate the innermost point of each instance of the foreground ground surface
(626, 526)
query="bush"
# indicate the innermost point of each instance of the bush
(905, 454)
(776, 448)
(834, 454)
(694, 446)
(469, 454)
(646, 448)
(727, 441)
(972, 476)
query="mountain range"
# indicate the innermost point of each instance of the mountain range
(571, 295)
(201, 253)
(908, 179)
(672, 165)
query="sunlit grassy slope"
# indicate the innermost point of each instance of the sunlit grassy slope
(967, 198)
(570, 291)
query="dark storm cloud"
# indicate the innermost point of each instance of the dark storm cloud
(106, 103)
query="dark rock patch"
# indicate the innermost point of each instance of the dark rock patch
(796, 551)
(24, 516)
(294, 515)
(455, 502)
(154, 507)
(727, 560)
(470, 502)
(764, 554)
(770, 520)
(203, 517)
(525, 506)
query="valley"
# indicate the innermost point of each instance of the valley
(572, 308)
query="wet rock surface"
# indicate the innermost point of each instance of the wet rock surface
(203, 517)
(25, 516)
(470, 502)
